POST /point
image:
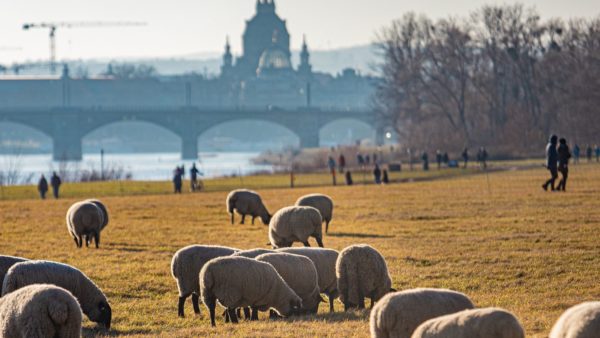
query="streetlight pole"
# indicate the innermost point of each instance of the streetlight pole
(102, 164)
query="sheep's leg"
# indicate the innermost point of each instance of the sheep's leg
(180, 307)
(253, 217)
(226, 316)
(319, 241)
(195, 298)
(273, 315)
(361, 299)
(239, 312)
(87, 241)
(331, 309)
(211, 304)
(97, 239)
(243, 218)
(232, 315)
(232, 216)
(76, 242)
(306, 243)
(246, 313)
(79, 241)
(327, 226)
(254, 314)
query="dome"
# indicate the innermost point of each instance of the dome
(274, 58)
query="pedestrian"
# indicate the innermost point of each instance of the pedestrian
(484, 156)
(177, 180)
(576, 151)
(465, 156)
(360, 159)
(342, 163)
(385, 178)
(377, 174)
(182, 171)
(349, 178)
(597, 153)
(43, 187)
(445, 158)
(425, 159)
(551, 162)
(194, 177)
(367, 159)
(438, 159)
(331, 163)
(563, 163)
(55, 182)
(588, 152)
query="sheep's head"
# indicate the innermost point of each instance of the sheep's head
(292, 307)
(101, 313)
(266, 219)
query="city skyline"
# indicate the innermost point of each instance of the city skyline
(199, 28)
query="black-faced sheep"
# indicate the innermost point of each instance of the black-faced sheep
(247, 202)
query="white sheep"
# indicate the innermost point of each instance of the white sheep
(361, 272)
(324, 260)
(185, 267)
(321, 202)
(92, 300)
(84, 220)
(104, 210)
(5, 263)
(239, 282)
(247, 202)
(295, 224)
(252, 253)
(39, 311)
(398, 314)
(579, 321)
(300, 273)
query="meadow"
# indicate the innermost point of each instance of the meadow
(499, 238)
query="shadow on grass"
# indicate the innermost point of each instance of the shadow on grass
(341, 316)
(359, 235)
(101, 332)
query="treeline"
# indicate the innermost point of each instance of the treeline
(500, 78)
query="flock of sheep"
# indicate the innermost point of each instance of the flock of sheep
(47, 299)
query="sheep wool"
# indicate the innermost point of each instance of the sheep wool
(239, 282)
(252, 253)
(398, 314)
(300, 273)
(247, 202)
(475, 323)
(321, 202)
(579, 321)
(361, 272)
(84, 220)
(5, 263)
(185, 267)
(92, 300)
(39, 311)
(295, 224)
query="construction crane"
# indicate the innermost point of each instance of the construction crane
(52, 26)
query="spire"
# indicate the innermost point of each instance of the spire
(305, 67)
(227, 59)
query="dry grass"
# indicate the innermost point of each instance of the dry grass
(504, 242)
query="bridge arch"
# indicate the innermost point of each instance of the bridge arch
(346, 131)
(18, 138)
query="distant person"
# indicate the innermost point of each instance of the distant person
(576, 154)
(438, 159)
(465, 156)
(445, 158)
(342, 163)
(563, 163)
(177, 180)
(483, 156)
(367, 159)
(42, 187)
(588, 152)
(349, 178)
(551, 162)
(360, 159)
(55, 182)
(385, 178)
(182, 171)
(425, 159)
(377, 174)
(597, 153)
(331, 163)
(194, 177)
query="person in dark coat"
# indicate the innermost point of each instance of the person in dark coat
(576, 151)
(551, 162)
(564, 154)
(42, 187)
(588, 152)
(438, 159)
(597, 153)
(377, 174)
(55, 182)
(342, 163)
(177, 180)
(425, 159)
(194, 177)
(385, 178)
(349, 178)
(465, 156)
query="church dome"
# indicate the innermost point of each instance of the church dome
(274, 58)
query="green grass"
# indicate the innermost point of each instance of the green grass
(498, 238)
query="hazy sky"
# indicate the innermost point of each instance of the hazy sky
(181, 27)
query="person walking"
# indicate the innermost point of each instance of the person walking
(597, 153)
(55, 182)
(551, 162)
(438, 159)
(385, 178)
(349, 178)
(377, 174)
(576, 151)
(331, 163)
(588, 152)
(563, 163)
(483, 157)
(425, 159)
(42, 187)
(194, 177)
(342, 163)
(465, 156)
(177, 180)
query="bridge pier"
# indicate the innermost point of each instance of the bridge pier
(189, 147)
(66, 139)
(309, 138)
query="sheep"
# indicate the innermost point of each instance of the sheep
(300, 273)
(94, 303)
(321, 202)
(398, 314)
(238, 282)
(5, 263)
(295, 224)
(185, 267)
(474, 323)
(361, 272)
(579, 321)
(85, 219)
(324, 260)
(247, 202)
(252, 253)
(102, 207)
(39, 311)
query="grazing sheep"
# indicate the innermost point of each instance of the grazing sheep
(185, 267)
(295, 224)
(361, 272)
(247, 202)
(102, 207)
(476, 323)
(93, 302)
(398, 314)
(579, 321)
(253, 253)
(300, 273)
(321, 202)
(85, 219)
(239, 282)
(5, 263)
(324, 260)
(39, 311)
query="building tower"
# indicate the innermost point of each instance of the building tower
(227, 67)
(305, 68)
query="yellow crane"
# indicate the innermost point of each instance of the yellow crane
(52, 26)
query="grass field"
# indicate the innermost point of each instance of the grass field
(498, 238)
